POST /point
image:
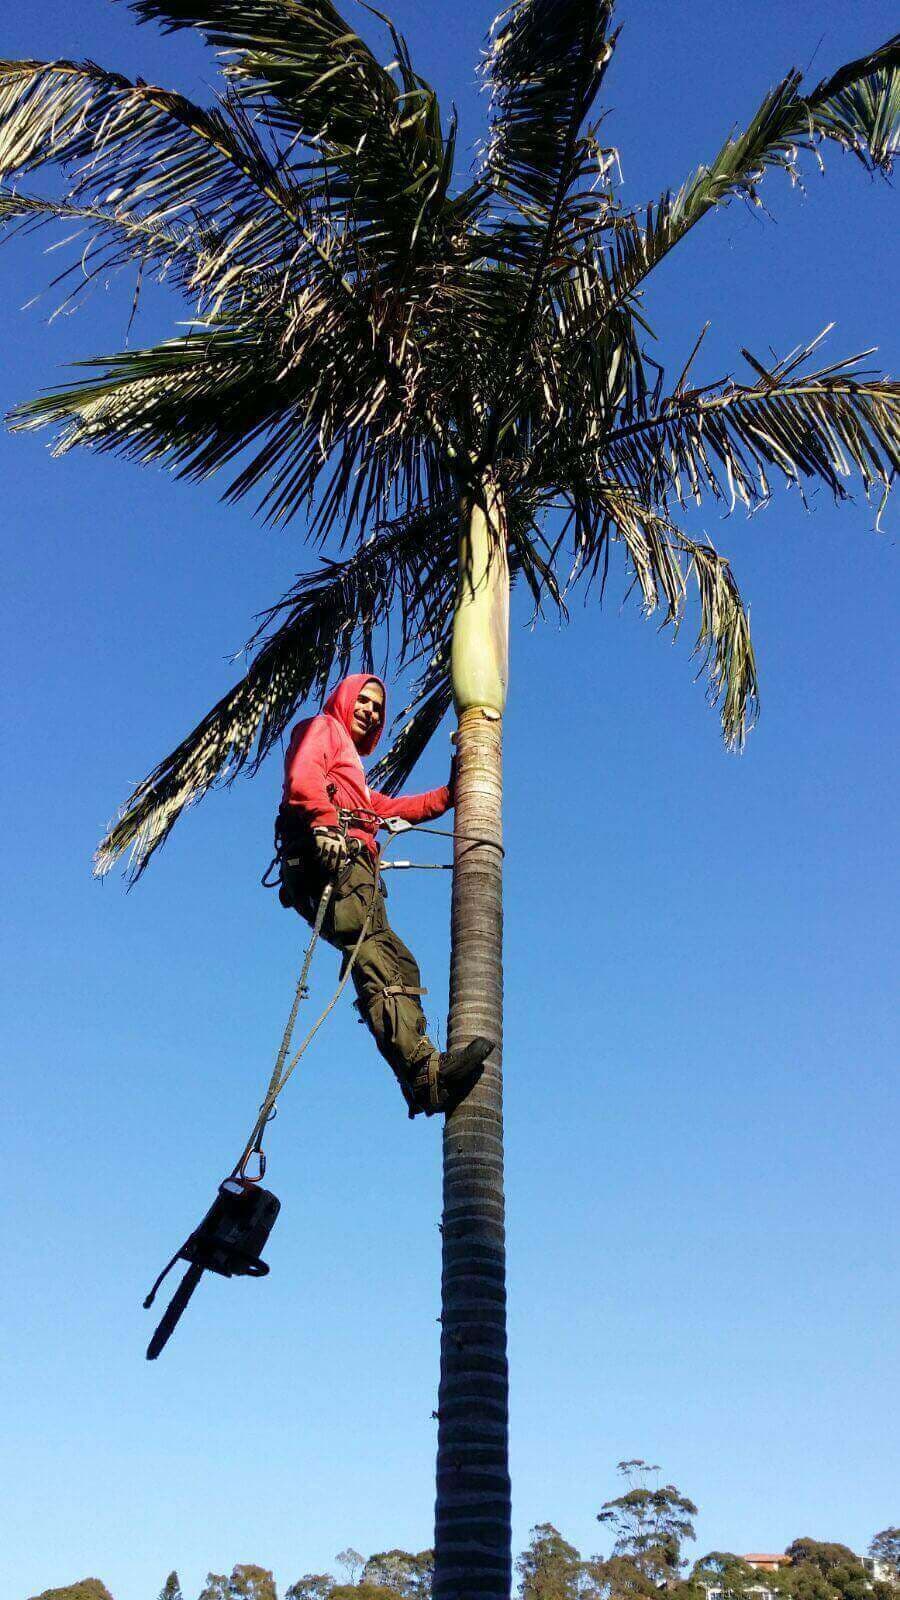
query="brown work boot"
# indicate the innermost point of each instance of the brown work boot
(445, 1078)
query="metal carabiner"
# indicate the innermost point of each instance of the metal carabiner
(243, 1176)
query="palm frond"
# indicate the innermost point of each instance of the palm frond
(726, 440)
(192, 402)
(583, 366)
(377, 138)
(545, 67)
(326, 621)
(113, 239)
(724, 640)
(160, 159)
(268, 262)
(294, 394)
(858, 107)
(664, 562)
(156, 153)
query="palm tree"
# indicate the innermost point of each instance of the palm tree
(447, 379)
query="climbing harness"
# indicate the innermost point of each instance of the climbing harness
(230, 1238)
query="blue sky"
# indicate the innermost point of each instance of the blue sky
(702, 1031)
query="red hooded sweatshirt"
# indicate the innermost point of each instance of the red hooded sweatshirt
(322, 753)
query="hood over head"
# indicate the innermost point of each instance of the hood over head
(341, 701)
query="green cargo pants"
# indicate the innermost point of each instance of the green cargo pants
(385, 973)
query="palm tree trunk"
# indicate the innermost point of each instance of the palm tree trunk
(472, 1519)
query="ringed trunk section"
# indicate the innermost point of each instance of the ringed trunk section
(472, 1518)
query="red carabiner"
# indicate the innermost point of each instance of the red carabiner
(244, 1176)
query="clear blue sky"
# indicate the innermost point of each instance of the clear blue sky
(701, 964)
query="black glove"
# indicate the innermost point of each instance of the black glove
(331, 849)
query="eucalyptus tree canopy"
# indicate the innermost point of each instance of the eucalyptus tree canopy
(885, 1548)
(550, 1568)
(403, 1572)
(650, 1523)
(85, 1589)
(312, 1586)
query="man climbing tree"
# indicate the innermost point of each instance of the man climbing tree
(327, 825)
(446, 368)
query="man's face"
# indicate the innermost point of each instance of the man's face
(368, 713)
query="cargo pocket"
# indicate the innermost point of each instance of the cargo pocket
(352, 902)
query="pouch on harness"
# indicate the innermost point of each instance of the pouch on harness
(296, 862)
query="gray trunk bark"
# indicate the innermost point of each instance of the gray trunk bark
(472, 1519)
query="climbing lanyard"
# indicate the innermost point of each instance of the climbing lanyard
(232, 1234)
(237, 1225)
(280, 1073)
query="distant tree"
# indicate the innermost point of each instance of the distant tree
(827, 1557)
(650, 1524)
(362, 1591)
(618, 1578)
(312, 1586)
(401, 1573)
(248, 1582)
(216, 1587)
(551, 1568)
(351, 1561)
(85, 1589)
(171, 1589)
(723, 1570)
(820, 1570)
(885, 1547)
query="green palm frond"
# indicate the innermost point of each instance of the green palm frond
(323, 624)
(336, 367)
(544, 68)
(153, 155)
(159, 153)
(726, 440)
(583, 366)
(114, 238)
(859, 108)
(192, 402)
(723, 639)
(376, 139)
(294, 392)
(665, 563)
(142, 161)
